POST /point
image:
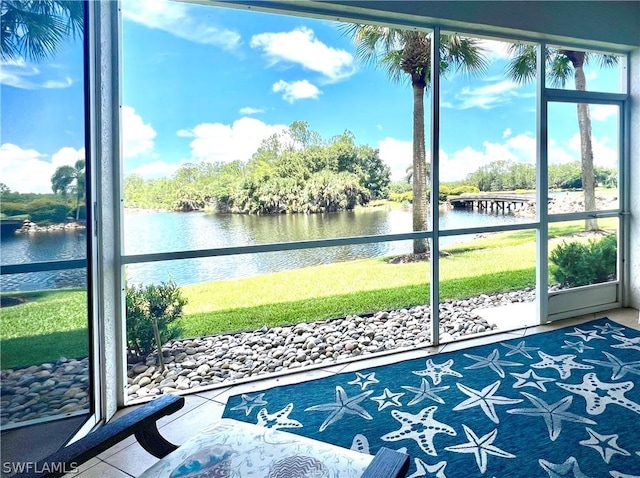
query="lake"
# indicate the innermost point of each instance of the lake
(151, 232)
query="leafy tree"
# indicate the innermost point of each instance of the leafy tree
(565, 176)
(152, 312)
(563, 64)
(70, 179)
(35, 29)
(408, 52)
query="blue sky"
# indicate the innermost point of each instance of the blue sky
(209, 84)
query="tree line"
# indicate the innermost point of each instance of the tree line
(510, 176)
(295, 171)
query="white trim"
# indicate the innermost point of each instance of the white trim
(542, 188)
(434, 285)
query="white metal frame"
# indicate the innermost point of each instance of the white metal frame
(541, 224)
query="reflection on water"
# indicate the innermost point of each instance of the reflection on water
(151, 232)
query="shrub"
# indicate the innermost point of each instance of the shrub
(151, 315)
(405, 197)
(13, 208)
(47, 211)
(457, 191)
(576, 264)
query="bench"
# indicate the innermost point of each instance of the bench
(226, 445)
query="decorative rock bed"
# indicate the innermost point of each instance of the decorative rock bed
(45, 390)
(225, 358)
(60, 388)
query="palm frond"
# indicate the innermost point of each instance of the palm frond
(608, 61)
(463, 54)
(36, 29)
(377, 46)
(522, 66)
(560, 70)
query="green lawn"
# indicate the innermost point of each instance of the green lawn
(53, 323)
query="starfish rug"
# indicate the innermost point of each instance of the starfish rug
(564, 403)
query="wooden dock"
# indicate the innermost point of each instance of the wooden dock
(492, 202)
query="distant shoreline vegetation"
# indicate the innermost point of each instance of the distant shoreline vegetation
(295, 171)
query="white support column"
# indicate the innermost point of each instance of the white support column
(435, 180)
(104, 98)
(542, 191)
(633, 140)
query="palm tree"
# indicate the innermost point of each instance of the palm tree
(70, 179)
(35, 29)
(561, 65)
(408, 52)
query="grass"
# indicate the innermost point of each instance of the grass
(51, 324)
(45, 327)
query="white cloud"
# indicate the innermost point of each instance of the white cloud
(557, 154)
(604, 152)
(179, 20)
(506, 133)
(296, 90)
(495, 50)
(603, 112)
(137, 136)
(488, 96)
(248, 110)
(520, 148)
(27, 76)
(300, 46)
(28, 171)
(396, 154)
(591, 75)
(217, 142)
(157, 169)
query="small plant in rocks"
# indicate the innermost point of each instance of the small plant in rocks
(576, 264)
(151, 314)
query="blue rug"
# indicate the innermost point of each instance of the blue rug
(554, 404)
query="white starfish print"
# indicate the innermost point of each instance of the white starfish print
(341, 407)
(609, 329)
(436, 371)
(481, 447)
(618, 368)
(425, 391)
(279, 419)
(617, 474)
(586, 335)
(249, 402)
(632, 343)
(599, 394)
(492, 361)
(423, 468)
(531, 379)
(578, 346)
(485, 399)
(360, 443)
(552, 414)
(521, 348)
(364, 380)
(606, 445)
(562, 363)
(421, 427)
(558, 470)
(388, 399)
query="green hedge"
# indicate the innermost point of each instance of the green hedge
(576, 264)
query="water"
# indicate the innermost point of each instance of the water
(152, 232)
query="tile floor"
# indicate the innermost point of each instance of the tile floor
(128, 459)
